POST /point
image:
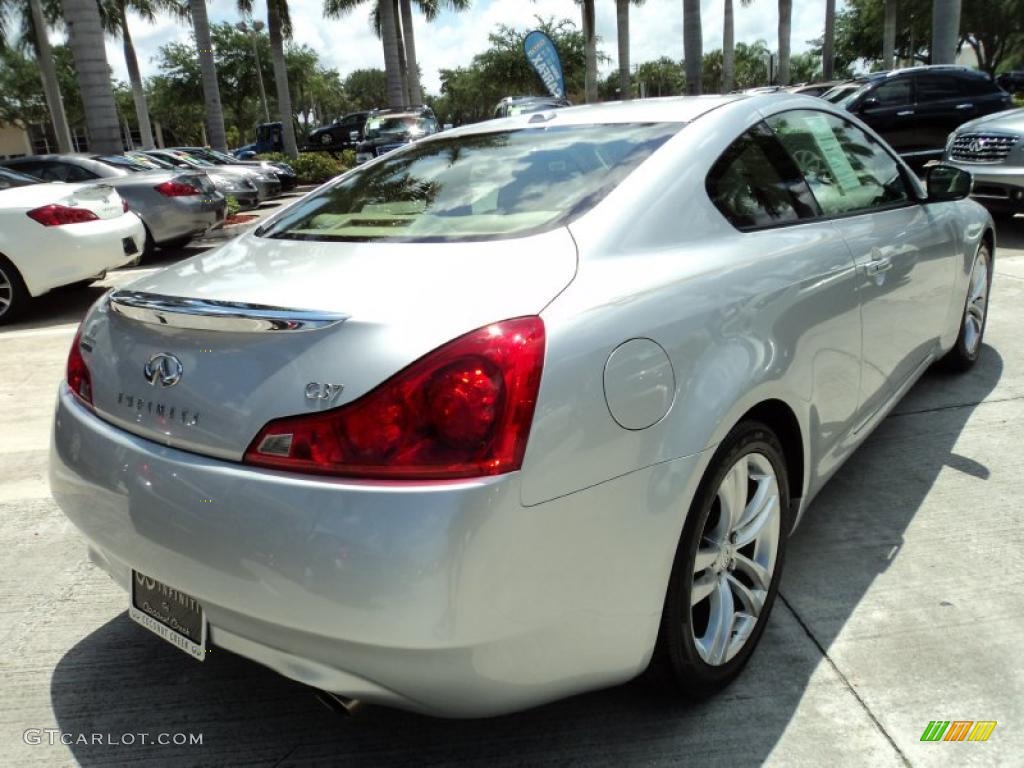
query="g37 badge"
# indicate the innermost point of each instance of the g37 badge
(327, 393)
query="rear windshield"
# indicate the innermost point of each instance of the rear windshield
(121, 161)
(476, 187)
(10, 179)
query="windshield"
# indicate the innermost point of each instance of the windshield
(10, 179)
(476, 187)
(149, 162)
(843, 95)
(396, 127)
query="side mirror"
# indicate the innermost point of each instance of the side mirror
(946, 182)
(870, 103)
(353, 136)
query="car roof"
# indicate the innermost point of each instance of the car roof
(960, 69)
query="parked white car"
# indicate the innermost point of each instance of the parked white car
(57, 234)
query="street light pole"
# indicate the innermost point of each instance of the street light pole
(253, 32)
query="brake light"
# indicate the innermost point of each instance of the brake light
(54, 215)
(463, 410)
(124, 205)
(176, 189)
(79, 379)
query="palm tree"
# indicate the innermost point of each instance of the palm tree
(208, 67)
(590, 51)
(785, 32)
(889, 35)
(85, 38)
(828, 47)
(279, 28)
(729, 46)
(622, 26)
(945, 30)
(693, 46)
(114, 14)
(430, 9)
(35, 24)
(385, 18)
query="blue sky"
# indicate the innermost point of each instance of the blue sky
(453, 39)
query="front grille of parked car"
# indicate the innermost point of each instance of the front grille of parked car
(982, 147)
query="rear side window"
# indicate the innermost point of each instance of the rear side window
(937, 87)
(846, 169)
(477, 186)
(63, 172)
(10, 179)
(755, 185)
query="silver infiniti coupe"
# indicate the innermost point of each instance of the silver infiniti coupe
(520, 410)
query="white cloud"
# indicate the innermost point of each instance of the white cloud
(452, 39)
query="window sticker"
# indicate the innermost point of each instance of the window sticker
(832, 151)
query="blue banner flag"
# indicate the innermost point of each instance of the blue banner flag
(543, 57)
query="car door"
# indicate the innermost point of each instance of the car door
(759, 189)
(889, 109)
(903, 249)
(941, 106)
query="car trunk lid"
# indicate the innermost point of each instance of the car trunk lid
(202, 355)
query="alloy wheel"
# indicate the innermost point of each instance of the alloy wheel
(6, 292)
(977, 303)
(735, 559)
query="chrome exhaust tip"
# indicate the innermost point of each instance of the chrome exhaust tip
(341, 705)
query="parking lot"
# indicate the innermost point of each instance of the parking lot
(902, 602)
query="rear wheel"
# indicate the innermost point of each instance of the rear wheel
(727, 567)
(14, 296)
(967, 348)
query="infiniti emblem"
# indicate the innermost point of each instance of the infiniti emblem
(163, 369)
(977, 145)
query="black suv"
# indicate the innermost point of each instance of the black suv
(388, 129)
(916, 109)
(344, 133)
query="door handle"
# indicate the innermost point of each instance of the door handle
(878, 266)
(964, 106)
(904, 113)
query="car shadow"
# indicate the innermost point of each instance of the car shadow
(122, 680)
(1010, 232)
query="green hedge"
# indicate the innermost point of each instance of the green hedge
(315, 167)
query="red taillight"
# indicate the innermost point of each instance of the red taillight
(124, 205)
(176, 189)
(464, 410)
(57, 215)
(78, 376)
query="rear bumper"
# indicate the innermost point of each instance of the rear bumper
(178, 217)
(79, 251)
(996, 186)
(449, 598)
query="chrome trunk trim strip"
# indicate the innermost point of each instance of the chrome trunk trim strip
(211, 315)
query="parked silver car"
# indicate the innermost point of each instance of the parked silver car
(267, 184)
(991, 148)
(235, 185)
(175, 206)
(511, 412)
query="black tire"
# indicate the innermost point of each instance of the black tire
(677, 663)
(965, 351)
(14, 296)
(178, 242)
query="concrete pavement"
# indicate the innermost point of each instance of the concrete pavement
(902, 602)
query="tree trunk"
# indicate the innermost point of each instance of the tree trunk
(412, 65)
(622, 25)
(785, 32)
(85, 37)
(590, 45)
(392, 62)
(211, 91)
(135, 77)
(48, 75)
(945, 31)
(889, 35)
(693, 46)
(828, 48)
(728, 49)
(284, 97)
(403, 66)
